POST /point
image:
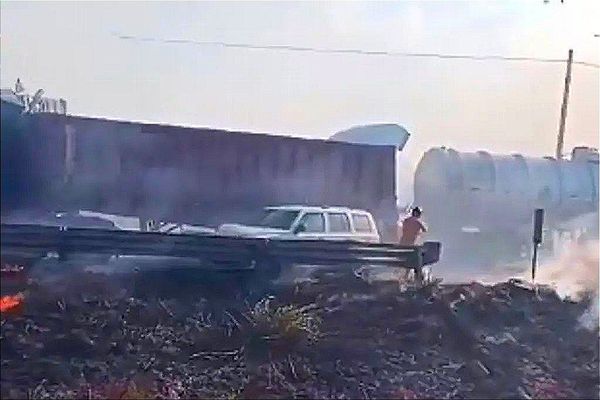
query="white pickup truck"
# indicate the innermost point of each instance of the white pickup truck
(298, 222)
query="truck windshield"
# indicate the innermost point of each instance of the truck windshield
(278, 219)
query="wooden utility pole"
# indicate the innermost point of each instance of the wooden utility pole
(563, 110)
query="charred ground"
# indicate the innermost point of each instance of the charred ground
(92, 335)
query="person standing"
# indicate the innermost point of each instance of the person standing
(19, 88)
(412, 227)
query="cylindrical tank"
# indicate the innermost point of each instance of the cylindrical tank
(496, 193)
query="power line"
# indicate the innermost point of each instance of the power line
(351, 51)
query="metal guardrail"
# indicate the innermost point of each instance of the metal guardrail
(236, 253)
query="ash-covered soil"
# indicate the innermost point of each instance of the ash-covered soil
(92, 335)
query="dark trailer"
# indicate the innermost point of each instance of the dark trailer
(56, 162)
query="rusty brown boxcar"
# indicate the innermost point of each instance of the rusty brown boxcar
(194, 175)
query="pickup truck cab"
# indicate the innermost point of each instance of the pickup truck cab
(298, 222)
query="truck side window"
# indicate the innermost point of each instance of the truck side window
(361, 223)
(339, 222)
(313, 222)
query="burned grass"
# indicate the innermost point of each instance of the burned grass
(93, 336)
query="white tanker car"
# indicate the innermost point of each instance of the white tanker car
(485, 201)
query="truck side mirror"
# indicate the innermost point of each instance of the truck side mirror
(300, 228)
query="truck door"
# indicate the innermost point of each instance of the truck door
(364, 229)
(339, 226)
(313, 226)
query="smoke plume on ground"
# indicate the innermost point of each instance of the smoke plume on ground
(574, 275)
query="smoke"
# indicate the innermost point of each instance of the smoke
(589, 319)
(574, 275)
(589, 221)
(405, 168)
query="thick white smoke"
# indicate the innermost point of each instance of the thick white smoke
(574, 275)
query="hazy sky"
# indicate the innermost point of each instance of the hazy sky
(69, 49)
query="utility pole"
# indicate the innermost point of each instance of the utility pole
(563, 110)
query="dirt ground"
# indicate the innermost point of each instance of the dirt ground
(93, 335)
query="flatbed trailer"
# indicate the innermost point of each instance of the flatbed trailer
(231, 254)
